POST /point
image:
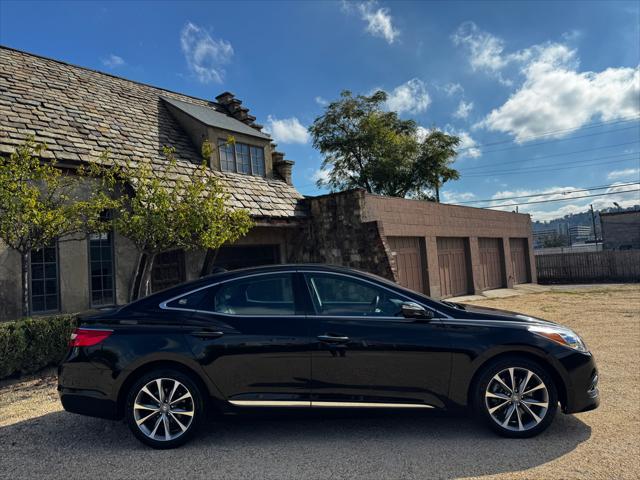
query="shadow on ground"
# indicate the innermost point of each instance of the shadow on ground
(337, 445)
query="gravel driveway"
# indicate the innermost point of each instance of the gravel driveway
(38, 440)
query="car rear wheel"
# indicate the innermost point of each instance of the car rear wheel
(164, 408)
(516, 397)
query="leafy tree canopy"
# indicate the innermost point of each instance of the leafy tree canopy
(40, 203)
(366, 146)
(169, 210)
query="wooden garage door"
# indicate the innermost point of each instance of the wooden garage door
(409, 262)
(519, 259)
(490, 262)
(452, 263)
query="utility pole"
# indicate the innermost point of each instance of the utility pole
(593, 221)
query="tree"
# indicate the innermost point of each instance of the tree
(437, 153)
(555, 240)
(41, 203)
(365, 146)
(168, 210)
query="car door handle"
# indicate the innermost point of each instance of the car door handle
(206, 334)
(332, 339)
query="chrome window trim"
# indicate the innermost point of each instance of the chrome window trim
(163, 305)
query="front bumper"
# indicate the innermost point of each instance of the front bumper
(582, 392)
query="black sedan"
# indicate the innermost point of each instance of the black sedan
(310, 336)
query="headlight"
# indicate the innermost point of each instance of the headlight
(561, 335)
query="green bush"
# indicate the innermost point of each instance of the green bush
(31, 344)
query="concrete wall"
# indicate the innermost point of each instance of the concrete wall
(429, 220)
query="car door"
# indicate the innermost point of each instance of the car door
(366, 352)
(252, 339)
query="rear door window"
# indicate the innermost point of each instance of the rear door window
(258, 295)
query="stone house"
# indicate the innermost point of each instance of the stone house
(441, 250)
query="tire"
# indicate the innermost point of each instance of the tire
(529, 414)
(149, 413)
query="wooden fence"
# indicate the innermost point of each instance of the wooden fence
(586, 267)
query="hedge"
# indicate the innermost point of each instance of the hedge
(31, 344)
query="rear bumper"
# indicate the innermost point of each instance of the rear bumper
(87, 402)
(87, 389)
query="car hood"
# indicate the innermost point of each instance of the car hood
(486, 313)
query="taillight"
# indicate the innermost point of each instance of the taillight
(85, 337)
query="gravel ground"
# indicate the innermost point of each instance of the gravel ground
(38, 440)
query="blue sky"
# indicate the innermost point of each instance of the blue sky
(543, 94)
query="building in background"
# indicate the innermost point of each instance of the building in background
(580, 234)
(620, 230)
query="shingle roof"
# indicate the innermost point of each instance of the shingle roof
(213, 118)
(80, 113)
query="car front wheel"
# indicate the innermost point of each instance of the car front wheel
(164, 408)
(516, 397)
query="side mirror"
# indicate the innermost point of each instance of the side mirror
(413, 310)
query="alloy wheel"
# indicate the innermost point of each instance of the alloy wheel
(163, 409)
(517, 399)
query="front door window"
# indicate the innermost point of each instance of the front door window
(336, 295)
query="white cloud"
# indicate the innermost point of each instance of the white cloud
(411, 97)
(286, 130)
(549, 211)
(321, 101)
(486, 51)
(627, 172)
(451, 89)
(379, 20)
(205, 55)
(113, 61)
(464, 109)
(456, 197)
(553, 94)
(421, 133)
(468, 146)
(320, 175)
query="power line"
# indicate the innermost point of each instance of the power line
(571, 165)
(553, 140)
(558, 192)
(549, 156)
(564, 199)
(555, 132)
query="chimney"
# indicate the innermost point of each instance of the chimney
(283, 168)
(234, 108)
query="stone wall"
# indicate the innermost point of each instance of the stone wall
(336, 234)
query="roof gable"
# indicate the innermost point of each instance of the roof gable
(211, 117)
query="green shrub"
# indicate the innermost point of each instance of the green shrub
(31, 344)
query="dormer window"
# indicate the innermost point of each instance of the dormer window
(241, 158)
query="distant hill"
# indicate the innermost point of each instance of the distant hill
(577, 219)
